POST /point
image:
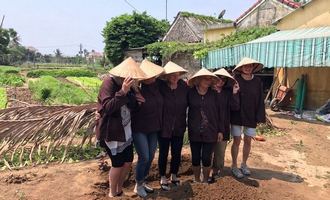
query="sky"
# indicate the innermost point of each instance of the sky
(65, 24)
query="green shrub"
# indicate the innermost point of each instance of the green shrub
(49, 90)
(61, 73)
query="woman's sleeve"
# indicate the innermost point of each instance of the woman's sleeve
(109, 99)
(234, 101)
(261, 112)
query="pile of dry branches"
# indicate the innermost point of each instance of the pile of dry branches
(34, 127)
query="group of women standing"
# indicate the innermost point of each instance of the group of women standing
(145, 105)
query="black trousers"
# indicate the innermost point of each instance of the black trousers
(201, 152)
(176, 147)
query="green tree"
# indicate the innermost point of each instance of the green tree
(131, 31)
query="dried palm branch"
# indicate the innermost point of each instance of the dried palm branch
(29, 128)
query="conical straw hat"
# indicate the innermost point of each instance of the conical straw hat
(202, 72)
(128, 68)
(150, 69)
(223, 72)
(248, 61)
(171, 67)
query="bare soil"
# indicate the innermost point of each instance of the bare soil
(295, 165)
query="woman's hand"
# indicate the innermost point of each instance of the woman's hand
(220, 137)
(235, 88)
(140, 99)
(97, 116)
(127, 83)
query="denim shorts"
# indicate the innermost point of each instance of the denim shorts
(237, 131)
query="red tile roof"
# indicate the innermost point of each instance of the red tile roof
(289, 3)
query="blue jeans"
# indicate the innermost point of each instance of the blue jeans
(145, 145)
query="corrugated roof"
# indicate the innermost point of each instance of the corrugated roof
(294, 48)
(296, 34)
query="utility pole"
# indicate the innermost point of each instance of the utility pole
(166, 11)
(3, 18)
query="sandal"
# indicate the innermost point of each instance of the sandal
(175, 182)
(120, 194)
(165, 186)
(211, 180)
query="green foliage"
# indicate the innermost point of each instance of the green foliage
(11, 80)
(200, 50)
(3, 98)
(9, 69)
(90, 84)
(52, 91)
(204, 17)
(75, 154)
(264, 129)
(61, 73)
(131, 31)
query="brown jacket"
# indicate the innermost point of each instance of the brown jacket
(252, 107)
(174, 109)
(148, 118)
(208, 107)
(110, 100)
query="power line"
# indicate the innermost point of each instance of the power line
(135, 9)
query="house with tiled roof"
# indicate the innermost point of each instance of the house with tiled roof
(189, 27)
(265, 13)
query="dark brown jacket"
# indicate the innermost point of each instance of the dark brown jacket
(210, 106)
(252, 107)
(110, 100)
(230, 102)
(148, 118)
(174, 109)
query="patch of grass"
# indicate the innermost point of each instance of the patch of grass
(88, 82)
(9, 69)
(3, 98)
(264, 129)
(293, 122)
(61, 73)
(51, 91)
(10, 79)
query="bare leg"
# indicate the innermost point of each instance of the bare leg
(234, 150)
(126, 167)
(246, 148)
(114, 177)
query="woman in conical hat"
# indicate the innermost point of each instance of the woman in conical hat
(146, 124)
(174, 91)
(227, 90)
(251, 112)
(116, 100)
(205, 123)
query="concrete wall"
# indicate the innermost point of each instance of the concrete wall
(185, 60)
(217, 34)
(137, 55)
(314, 14)
(266, 14)
(318, 84)
(181, 32)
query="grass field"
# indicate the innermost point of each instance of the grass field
(51, 91)
(88, 82)
(61, 73)
(3, 98)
